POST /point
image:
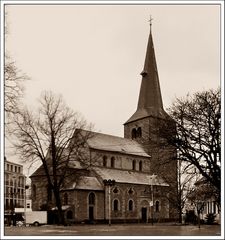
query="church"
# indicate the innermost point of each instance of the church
(130, 179)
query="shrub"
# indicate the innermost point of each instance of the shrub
(210, 218)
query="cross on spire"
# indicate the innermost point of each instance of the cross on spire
(150, 20)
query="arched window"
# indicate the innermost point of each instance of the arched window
(65, 199)
(157, 206)
(134, 133)
(140, 166)
(134, 165)
(139, 132)
(104, 161)
(112, 162)
(115, 205)
(130, 205)
(91, 199)
(69, 214)
(34, 191)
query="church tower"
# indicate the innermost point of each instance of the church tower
(150, 119)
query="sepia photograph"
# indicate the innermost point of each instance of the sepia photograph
(111, 119)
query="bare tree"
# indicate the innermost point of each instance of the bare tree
(47, 136)
(200, 194)
(198, 134)
(13, 80)
(14, 88)
(187, 176)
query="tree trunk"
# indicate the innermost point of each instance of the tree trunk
(180, 214)
(198, 220)
(59, 206)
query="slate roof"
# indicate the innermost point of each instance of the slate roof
(120, 176)
(150, 98)
(72, 164)
(112, 143)
(86, 183)
(147, 112)
(126, 176)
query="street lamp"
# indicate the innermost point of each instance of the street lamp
(152, 178)
(25, 202)
(200, 207)
(14, 200)
(109, 183)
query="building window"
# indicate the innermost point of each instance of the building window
(134, 133)
(7, 179)
(7, 204)
(140, 166)
(134, 165)
(7, 167)
(11, 182)
(28, 205)
(139, 132)
(112, 162)
(11, 168)
(21, 182)
(65, 198)
(104, 161)
(15, 168)
(10, 203)
(115, 205)
(91, 198)
(15, 182)
(19, 170)
(34, 191)
(157, 206)
(130, 205)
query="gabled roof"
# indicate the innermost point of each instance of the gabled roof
(104, 142)
(125, 176)
(88, 183)
(72, 164)
(85, 183)
(111, 143)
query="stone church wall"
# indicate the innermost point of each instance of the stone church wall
(82, 205)
(122, 161)
(141, 196)
(38, 192)
(142, 123)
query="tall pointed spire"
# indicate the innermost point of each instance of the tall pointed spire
(150, 99)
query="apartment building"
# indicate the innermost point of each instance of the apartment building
(14, 184)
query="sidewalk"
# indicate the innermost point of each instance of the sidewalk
(158, 229)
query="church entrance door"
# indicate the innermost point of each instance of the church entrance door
(91, 214)
(144, 214)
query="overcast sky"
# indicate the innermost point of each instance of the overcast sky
(93, 55)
